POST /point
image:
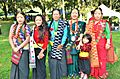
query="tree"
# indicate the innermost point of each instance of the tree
(4, 7)
(14, 5)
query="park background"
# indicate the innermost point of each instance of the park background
(8, 9)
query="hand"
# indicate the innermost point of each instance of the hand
(78, 47)
(59, 47)
(40, 56)
(107, 46)
(15, 49)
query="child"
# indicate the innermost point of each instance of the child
(84, 62)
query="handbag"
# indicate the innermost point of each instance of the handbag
(84, 55)
(16, 57)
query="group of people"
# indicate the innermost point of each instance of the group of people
(74, 47)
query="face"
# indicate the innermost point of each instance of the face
(20, 18)
(74, 14)
(85, 40)
(97, 14)
(56, 15)
(38, 20)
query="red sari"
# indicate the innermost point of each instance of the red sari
(98, 53)
(101, 50)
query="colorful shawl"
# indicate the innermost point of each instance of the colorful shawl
(93, 53)
(19, 34)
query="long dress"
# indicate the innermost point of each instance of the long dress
(72, 53)
(100, 33)
(21, 71)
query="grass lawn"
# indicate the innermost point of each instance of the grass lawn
(5, 54)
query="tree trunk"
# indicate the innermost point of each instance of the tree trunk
(99, 3)
(110, 4)
(5, 10)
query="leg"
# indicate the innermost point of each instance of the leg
(14, 72)
(40, 71)
(34, 73)
(52, 68)
(24, 65)
(62, 67)
(75, 64)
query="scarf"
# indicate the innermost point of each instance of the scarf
(55, 53)
(32, 61)
(18, 35)
(93, 53)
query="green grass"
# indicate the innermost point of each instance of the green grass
(5, 55)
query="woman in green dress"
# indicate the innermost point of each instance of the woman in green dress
(75, 32)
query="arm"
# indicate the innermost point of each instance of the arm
(10, 37)
(64, 36)
(24, 43)
(41, 55)
(107, 32)
(45, 41)
(63, 39)
(27, 36)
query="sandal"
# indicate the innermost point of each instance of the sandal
(81, 75)
(85, 76)
(104, 76)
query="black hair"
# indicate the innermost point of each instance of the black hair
(88, 36)
(92, 12)
(43, 27)
(77, 10)
(98, 9)
(56, 10)
(23, 15)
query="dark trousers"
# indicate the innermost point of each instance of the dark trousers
(58, 68)
(21, 71)
(40, 71)
(84, 66)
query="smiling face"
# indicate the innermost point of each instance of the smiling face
(97, 14)
(38, 20)
(56, 15)
(20, 18)
(85, 40)
(74, 14)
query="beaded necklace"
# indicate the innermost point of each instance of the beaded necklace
(76, 27)
(16, 34)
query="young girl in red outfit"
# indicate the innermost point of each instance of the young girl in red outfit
(84, 61)
(38, 45)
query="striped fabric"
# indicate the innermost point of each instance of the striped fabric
(55, 53)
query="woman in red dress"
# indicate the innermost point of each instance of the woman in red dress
(100, 32)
